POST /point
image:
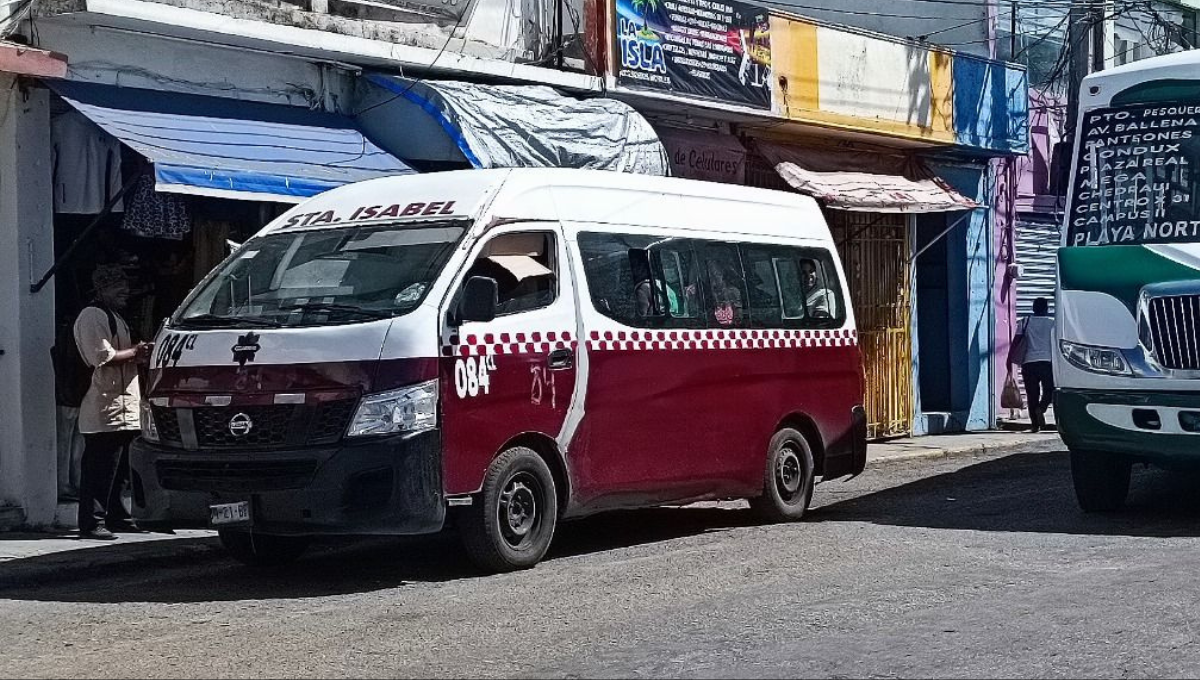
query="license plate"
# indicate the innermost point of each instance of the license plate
(229, 513)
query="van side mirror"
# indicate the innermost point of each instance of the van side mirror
(481, 296)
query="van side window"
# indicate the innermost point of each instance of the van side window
(643, 281)
(525, 267)
(725, 285)
(792, 287)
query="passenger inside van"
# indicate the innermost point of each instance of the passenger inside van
(643, 289)
(726, 297)
(819, 299)
(662, 285)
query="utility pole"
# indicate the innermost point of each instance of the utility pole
(1077, 26)
(1012, 38)
(1087, 19)
(1099, 34)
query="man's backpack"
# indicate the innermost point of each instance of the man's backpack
(72, 375)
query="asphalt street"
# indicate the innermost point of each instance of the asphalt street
(972, 566)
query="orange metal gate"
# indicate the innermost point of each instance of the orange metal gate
(875, 249)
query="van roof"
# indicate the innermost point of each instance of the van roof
(568, 195)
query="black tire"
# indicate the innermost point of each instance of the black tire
(1101, 480)
(263, 550)
(789, 479)
(511, 523)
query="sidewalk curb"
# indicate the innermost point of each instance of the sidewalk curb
(51, 568)
(973, 449)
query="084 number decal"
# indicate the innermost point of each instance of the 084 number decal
(473, 376)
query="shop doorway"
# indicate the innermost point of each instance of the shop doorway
(875, 249)
(935, 321)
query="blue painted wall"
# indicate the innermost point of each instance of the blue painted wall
(953, 310)
(991, 105)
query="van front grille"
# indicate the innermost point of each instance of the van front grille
(269, 426)
(167, 422)
(238, 476)
(272, 426)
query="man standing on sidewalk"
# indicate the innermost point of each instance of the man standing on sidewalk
(109, 417)
(1037, 369)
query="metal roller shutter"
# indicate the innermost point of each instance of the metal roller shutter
(1037, 242)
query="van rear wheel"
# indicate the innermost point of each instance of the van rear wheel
(789, 479)
(263, 550)
(1101, 480)
(512, 522)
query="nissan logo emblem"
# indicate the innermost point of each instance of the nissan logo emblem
(240, 425)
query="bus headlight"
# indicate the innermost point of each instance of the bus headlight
(1095, 359)
(149, 428)
(411, 409)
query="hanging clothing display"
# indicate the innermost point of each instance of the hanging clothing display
(156, 215)
(87, 165)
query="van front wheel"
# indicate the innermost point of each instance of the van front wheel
(512, 522)
(789, 479)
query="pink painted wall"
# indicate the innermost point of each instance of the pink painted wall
(1022, 186)
(1007, 176)
(1047, 116)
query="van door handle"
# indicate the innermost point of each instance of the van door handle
(560, 359)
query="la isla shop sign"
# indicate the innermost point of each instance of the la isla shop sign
(714, 49)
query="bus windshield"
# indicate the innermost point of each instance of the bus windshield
(330, 276)
(1136, 177)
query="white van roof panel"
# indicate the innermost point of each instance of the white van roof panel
(435, 196)
(568, 195)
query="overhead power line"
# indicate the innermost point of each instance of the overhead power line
(415, 81)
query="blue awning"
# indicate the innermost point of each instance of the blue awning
(211, 146)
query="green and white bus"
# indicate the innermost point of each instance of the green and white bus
(1128, 302)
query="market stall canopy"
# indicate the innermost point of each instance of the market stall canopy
(506, 126)
(864, 182)
(211, 146)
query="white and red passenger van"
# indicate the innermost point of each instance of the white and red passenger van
(498, 350)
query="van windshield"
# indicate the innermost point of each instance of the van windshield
(330, 276)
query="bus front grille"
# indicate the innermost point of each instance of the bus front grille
(1174, 325)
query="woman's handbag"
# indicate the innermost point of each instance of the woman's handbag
(1018, 347)
(1011, 396)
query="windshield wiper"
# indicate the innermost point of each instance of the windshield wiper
(336, 307)
(215, 321)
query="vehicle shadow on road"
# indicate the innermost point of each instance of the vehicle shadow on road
(1029, 492)
(197, 569)
(626, 529)
(1017, 493)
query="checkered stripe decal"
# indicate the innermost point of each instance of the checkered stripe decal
(544, 343)
(507, 343)
(735, 339)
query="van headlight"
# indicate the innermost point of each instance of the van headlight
(411, 409)
(1095, 359)
(149, 428)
